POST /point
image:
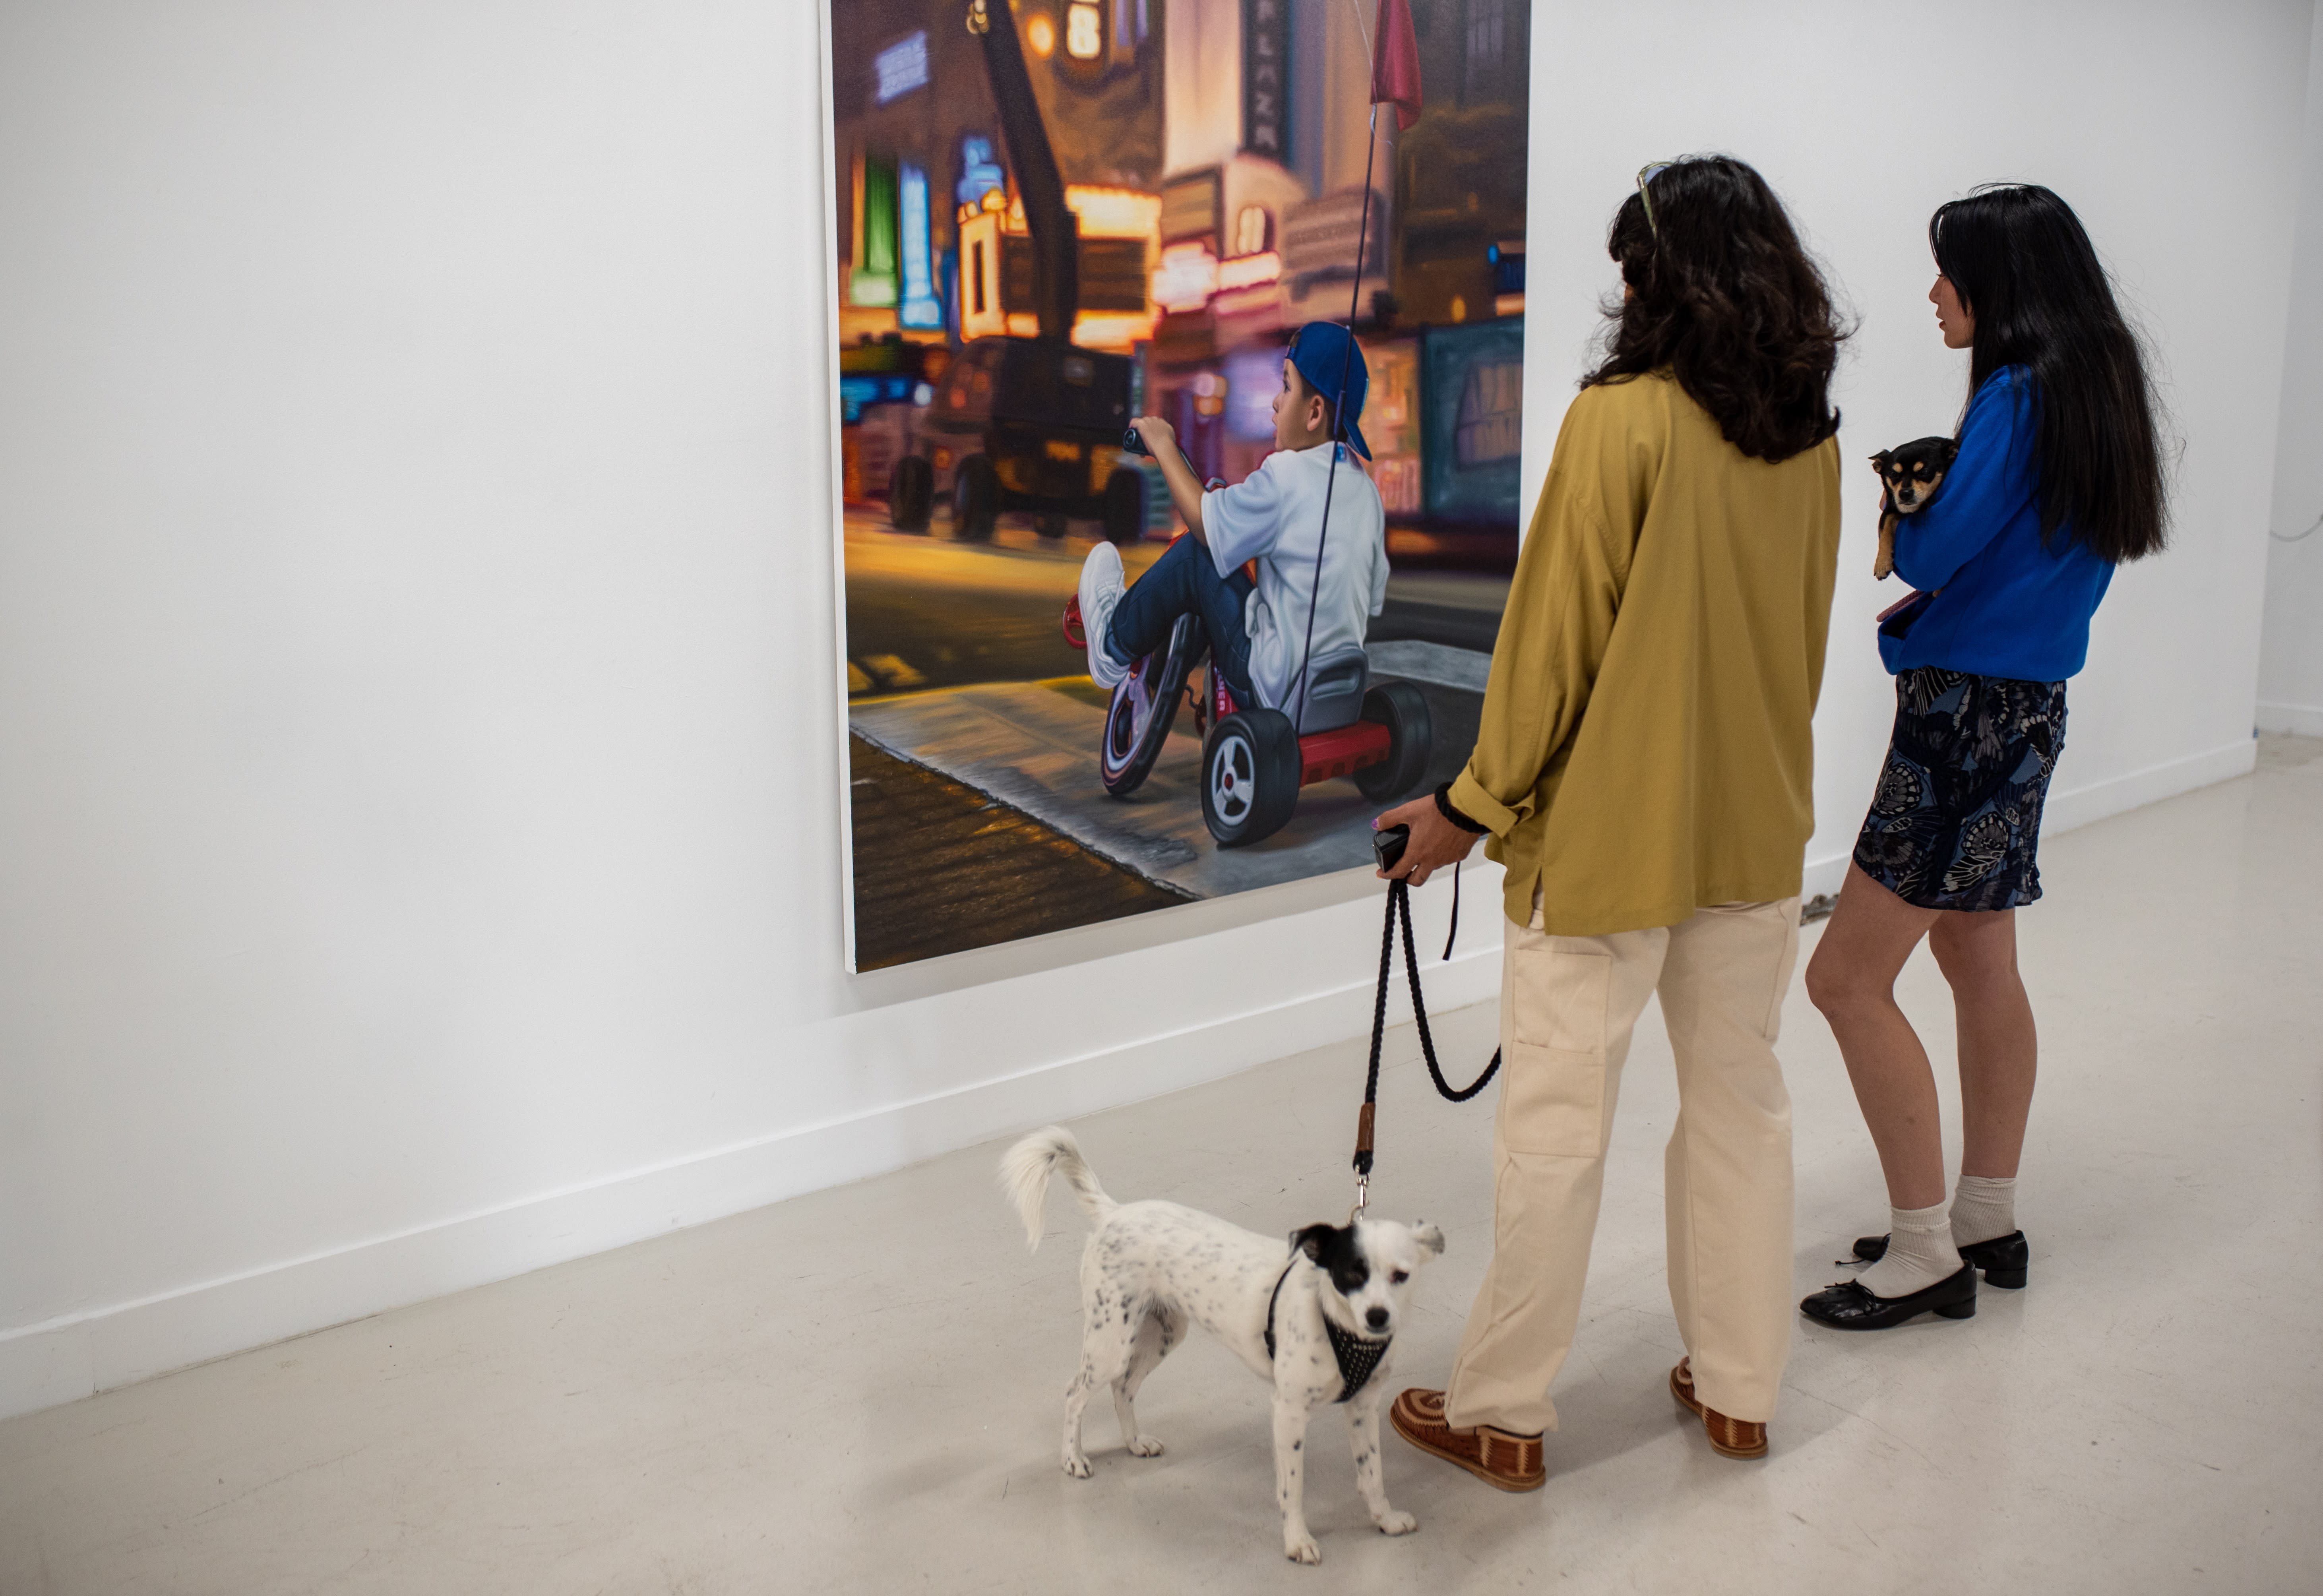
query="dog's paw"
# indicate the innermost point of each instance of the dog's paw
(1077, 1466)
(1302, 1550)
(1145, 1446)
(1397, 1524)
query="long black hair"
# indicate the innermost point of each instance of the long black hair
(1725, 297)
(2025, 270)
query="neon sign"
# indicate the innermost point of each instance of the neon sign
(902, 67)
(1187, 277)
(920, 307)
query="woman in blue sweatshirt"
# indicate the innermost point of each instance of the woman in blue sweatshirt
(2058, 479)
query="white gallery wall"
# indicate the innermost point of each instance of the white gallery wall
(2291, 651)
(420, 769)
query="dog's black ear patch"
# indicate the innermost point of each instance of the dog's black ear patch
(1315, 1241)
(1332, 1248)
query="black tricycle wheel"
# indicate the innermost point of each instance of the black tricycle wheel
(1250, 777)
(974, 499)
(1411, 739)
(1144, 703)
(911, 494)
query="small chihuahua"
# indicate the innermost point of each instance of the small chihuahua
(1913, 472)
(1318, 1323)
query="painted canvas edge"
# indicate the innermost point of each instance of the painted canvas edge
(835, 503)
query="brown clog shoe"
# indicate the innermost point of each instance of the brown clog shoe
(1498, 1458)
(1729, 1437)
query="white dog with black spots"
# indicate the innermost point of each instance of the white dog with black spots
(1150, 1267)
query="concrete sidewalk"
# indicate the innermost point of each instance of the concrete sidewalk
(1033, 746)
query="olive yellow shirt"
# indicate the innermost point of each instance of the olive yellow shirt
(1647, 746)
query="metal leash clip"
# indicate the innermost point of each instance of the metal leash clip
(1363, 1199)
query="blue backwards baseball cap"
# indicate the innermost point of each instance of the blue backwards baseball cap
(1324, 351)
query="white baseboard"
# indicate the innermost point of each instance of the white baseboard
(65, 1359)
(2071, 807)
(1823, 877)
(2300, 719)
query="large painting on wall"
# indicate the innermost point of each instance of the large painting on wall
(1052, 217)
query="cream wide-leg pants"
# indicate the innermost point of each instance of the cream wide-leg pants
(1568, 1006)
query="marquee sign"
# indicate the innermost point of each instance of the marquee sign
(1265, 58)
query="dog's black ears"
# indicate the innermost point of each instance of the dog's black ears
(1882, 460)
(1314, 1240)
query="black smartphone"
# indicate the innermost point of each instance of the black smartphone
(1387, 845)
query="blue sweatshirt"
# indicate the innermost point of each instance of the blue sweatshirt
(2009, 606)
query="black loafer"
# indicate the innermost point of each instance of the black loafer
(1848, 1307)
(2002, 1259)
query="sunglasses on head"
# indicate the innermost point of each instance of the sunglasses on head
(1645, 195)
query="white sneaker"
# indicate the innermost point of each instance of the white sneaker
(1101, 589)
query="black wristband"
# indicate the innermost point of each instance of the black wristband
(1444, 807)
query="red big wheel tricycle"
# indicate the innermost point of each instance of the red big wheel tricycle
(1255, 760)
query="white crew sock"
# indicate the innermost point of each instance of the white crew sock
(1984, 1208)
(1920, 1253)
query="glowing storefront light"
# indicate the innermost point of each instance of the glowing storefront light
(902, 67)
(873, 282)
(920, 308)
(1084, 32)
(979, 174)
(1246, 271)
(1113, 213)
(1249, 230)
(1104, 213)
(1187, 277)
(1041, 34)
(980, 312)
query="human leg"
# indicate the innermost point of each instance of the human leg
(1851, 978)
(1728, 1167)
(1183, 581)
(1998, 1054)
(1568, 1006)
(1998, 1043)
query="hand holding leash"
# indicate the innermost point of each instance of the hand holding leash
(1431, 843)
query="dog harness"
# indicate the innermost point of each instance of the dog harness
(1356, 1357)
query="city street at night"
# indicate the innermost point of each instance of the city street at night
(1116, 208)
(972, 717)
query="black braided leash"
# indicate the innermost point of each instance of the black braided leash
(1398, 910)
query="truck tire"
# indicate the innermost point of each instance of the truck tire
(911, 494)
(974, 499)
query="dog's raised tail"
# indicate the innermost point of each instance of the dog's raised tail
(1025, 1169)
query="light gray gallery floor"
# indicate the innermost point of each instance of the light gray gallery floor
(859, 1389)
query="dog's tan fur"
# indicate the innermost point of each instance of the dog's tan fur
(1911, 473)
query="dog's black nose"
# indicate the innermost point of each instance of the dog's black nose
(1376, 1318)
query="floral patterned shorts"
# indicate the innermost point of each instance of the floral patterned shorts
(1957, 818)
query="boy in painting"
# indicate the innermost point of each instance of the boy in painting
(1258, 630)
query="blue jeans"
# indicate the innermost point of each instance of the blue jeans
(1185, 580)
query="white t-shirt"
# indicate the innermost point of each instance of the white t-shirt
(1275, 516)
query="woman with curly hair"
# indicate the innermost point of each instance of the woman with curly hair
(1644, 769)
(2058, 479)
